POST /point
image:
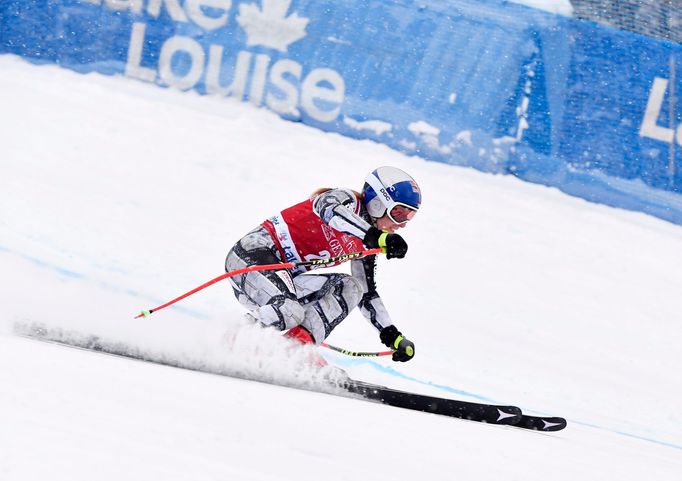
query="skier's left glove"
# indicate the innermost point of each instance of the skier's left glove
(404, 348)
(393, 245)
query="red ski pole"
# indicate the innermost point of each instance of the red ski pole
(265, 267)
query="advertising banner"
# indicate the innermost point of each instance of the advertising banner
(488, 84)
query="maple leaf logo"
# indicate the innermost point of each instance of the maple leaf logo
(270, 26)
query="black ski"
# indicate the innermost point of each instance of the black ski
(472, 411)
(538, 423)
(481, 412)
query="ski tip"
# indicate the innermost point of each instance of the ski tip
(537, 423)
(553, 424)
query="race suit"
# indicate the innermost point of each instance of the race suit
(327, 225)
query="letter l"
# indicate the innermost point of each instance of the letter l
(649, 127)
(133, 67)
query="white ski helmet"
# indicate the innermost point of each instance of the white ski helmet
(389, 190)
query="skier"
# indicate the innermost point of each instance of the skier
(331, 222)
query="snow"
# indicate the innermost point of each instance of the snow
(118, 196)
(561, 7)
(378, 127)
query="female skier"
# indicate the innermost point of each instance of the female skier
(330, 223)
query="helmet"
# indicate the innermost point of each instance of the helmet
(390, 190)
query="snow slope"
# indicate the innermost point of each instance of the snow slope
(117, 196)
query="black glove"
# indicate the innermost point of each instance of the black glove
(404, 348)
(392, 244)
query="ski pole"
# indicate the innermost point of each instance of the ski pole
(356, 354)
(264, 267)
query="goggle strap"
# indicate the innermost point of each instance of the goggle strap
(378, 187)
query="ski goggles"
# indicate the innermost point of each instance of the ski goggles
(401, 213)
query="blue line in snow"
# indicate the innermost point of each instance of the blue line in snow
(45, 265)
(109, 287)
(629, 435)
(349, 362)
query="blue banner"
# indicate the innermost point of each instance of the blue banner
(488, 84)
(606, 126)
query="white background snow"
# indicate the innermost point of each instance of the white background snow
(117, 195)
(561, 7)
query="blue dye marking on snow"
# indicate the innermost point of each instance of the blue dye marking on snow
(629, 435)
(109, 287)
(348, 362)
(45, 265)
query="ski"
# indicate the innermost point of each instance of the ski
(472, 411)
(540, 423)
(488, 413)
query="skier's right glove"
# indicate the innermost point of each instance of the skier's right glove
(393, 245)
(404, 348)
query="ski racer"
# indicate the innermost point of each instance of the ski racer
(330, 223)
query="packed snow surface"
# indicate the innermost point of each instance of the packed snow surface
(118, 196)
